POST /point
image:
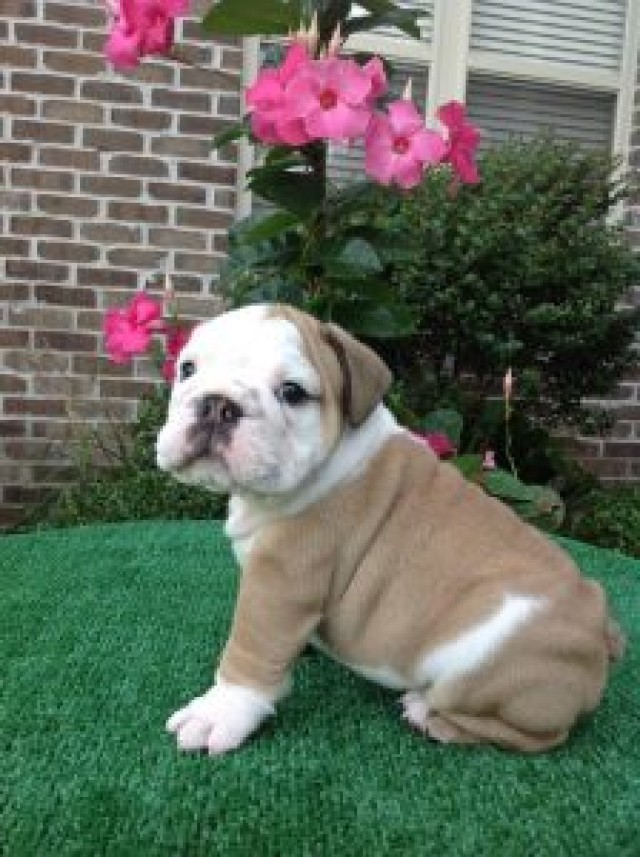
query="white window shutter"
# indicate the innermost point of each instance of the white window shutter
(586, 33)
(514, 108)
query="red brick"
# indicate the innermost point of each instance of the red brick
(21, 495)
(103, 91)
(178, 238)
(203, 126)
(103, 277)
(108, 140)
(92, 320)
(13, 428)
(204, 264)
(177, 192)
(68, 251)
(74, 63)
(125, 389)
(14, 247)
(73, 111)
(63, 385)
(133, 165)
(53, 318)
(12, 383)
(203, 218)
(11, 516)
(34, 362)
(110, 233)
(146, 120)
(185, 147)
(132, 257)
(36, 407)
(17, 105)
(14, 291)
(64, 341)
(15, 152)
(180, 100)
(138, 212)
(48, 84)
(42, 179)
(19, 8)
(46, 34)
(85, 16)
(14, 338)
(207, 173)
(34, 225)
(74, 206)
(100, 185)
(77, 159)
(209, 79)
(65, 295)
(26, 269)
(45, 132)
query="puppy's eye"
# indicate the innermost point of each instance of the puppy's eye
(292, 394)
(187, 369)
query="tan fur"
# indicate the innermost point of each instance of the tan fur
(405, 558)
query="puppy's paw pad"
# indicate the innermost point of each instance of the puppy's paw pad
(415, 709)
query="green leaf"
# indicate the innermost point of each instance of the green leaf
(444, 420)
(237, 130)
(297, 192)
(270, 226)
(469, 465)
(358, 254)
(254, 18)
(375, 322)
(508, 487)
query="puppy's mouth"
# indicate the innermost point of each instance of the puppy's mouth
(200, 443)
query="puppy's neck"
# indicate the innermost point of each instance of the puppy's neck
(249, 513)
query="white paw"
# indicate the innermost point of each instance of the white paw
(416, 709)
(221, 719)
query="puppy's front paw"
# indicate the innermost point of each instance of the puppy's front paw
(221, 719)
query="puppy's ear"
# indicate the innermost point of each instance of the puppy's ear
(365, 376)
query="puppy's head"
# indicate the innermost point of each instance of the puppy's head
(261, 398)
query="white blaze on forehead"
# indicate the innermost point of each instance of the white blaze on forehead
(250, 347)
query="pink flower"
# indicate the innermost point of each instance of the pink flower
(271, 119)
(399, 147)
(437, 442)
(375, 69)
(463, 139)
(140, 28)
(489, 460)
(128, 331)
(177, 338)
(332, 97)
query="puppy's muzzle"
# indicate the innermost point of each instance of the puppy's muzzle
(216, 412)
(215, 418)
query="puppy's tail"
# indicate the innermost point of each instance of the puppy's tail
(615, 640)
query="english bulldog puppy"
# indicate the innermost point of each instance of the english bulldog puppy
(355, 537)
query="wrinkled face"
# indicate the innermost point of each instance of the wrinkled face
(248, 410)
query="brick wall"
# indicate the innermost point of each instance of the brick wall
(617, 457)
(104, 179)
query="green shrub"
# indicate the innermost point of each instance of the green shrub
(608, 517)
(131, 488)
(523, 271)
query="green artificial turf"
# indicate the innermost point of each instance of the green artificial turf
(105, 630)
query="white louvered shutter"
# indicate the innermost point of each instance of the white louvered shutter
(509, 108)
(584, 33)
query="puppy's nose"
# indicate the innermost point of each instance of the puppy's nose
(217, 410)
